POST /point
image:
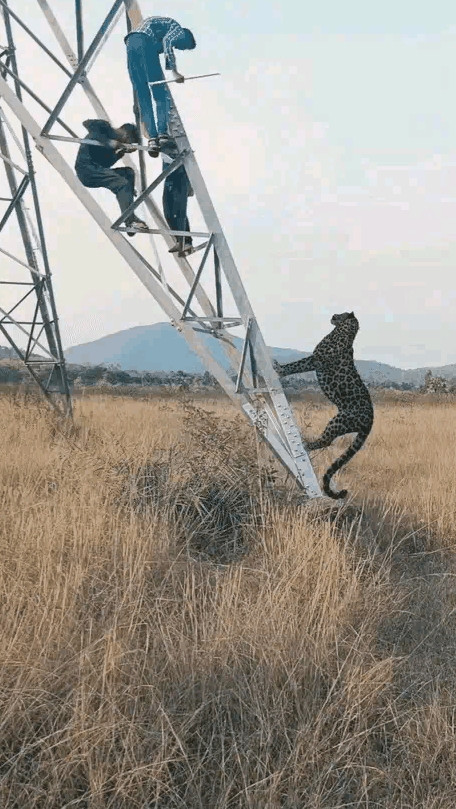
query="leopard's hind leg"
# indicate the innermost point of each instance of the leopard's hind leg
(339, 425)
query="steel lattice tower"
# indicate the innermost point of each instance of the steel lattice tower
(28, 315)
(210, 299)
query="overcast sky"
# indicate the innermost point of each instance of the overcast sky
(329, 147)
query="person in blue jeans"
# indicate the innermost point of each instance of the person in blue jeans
(154, 36)
(176, 190)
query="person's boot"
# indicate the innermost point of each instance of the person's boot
(135, 226)
(152, 147)
(187, 249)
(178, 247)
(164, 140)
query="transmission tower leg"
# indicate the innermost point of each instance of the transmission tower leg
(29, 322)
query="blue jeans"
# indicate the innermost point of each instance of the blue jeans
(144, 66)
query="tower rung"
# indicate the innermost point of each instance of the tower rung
(234, 321)
(43, 362)
(22, 322)
(200, 247)
(163, 232)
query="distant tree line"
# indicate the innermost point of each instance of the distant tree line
(100, 375)
(89, 375)
(12, 372)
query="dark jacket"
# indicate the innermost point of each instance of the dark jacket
(92, 157)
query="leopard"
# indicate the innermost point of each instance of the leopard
(333, 362)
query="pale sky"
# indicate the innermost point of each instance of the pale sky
(329, 147)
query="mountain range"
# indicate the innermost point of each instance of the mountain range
(160, 347)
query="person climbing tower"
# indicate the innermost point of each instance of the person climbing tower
(176, 190)
(154, 36)
(93, 165)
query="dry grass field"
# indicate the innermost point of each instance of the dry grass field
(177, 633)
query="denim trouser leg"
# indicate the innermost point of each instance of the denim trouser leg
(138, 58)
(162, 101)
(175, 195)
(125, 188)
(144, 66)
(120, 181)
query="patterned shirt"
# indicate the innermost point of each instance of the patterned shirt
(166, 32)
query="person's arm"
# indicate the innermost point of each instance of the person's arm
(125, 147)
(121, 148)
(174, 32)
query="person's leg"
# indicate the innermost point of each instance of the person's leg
(163, 103)
(129, 174)
(125, 197)
(189, 192)
(168, 203)
(175, 206)
(122, 184)
(120, 181)
(159, 91)
(188, 241)
(175, 200)
(140, 64)
(91, 175)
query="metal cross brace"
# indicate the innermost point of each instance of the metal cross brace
(91, 142)
(35, 38)
(34, 96)
(198, 275)
(244, 354)
(147, 192)
(17, 198)
(187, 78)
(83, 64)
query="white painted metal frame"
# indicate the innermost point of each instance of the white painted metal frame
(251, 381)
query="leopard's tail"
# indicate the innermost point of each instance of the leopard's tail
(351, 451)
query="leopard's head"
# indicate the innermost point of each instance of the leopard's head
(347, 321)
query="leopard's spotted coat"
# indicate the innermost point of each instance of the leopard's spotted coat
(332, 360)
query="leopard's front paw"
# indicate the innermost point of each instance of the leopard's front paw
(277, 368)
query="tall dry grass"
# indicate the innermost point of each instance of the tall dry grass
(176, 632)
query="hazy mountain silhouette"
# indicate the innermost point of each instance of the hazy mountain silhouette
(152, 348)
(160, 347)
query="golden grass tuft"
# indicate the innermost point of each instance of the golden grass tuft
(177, 632)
